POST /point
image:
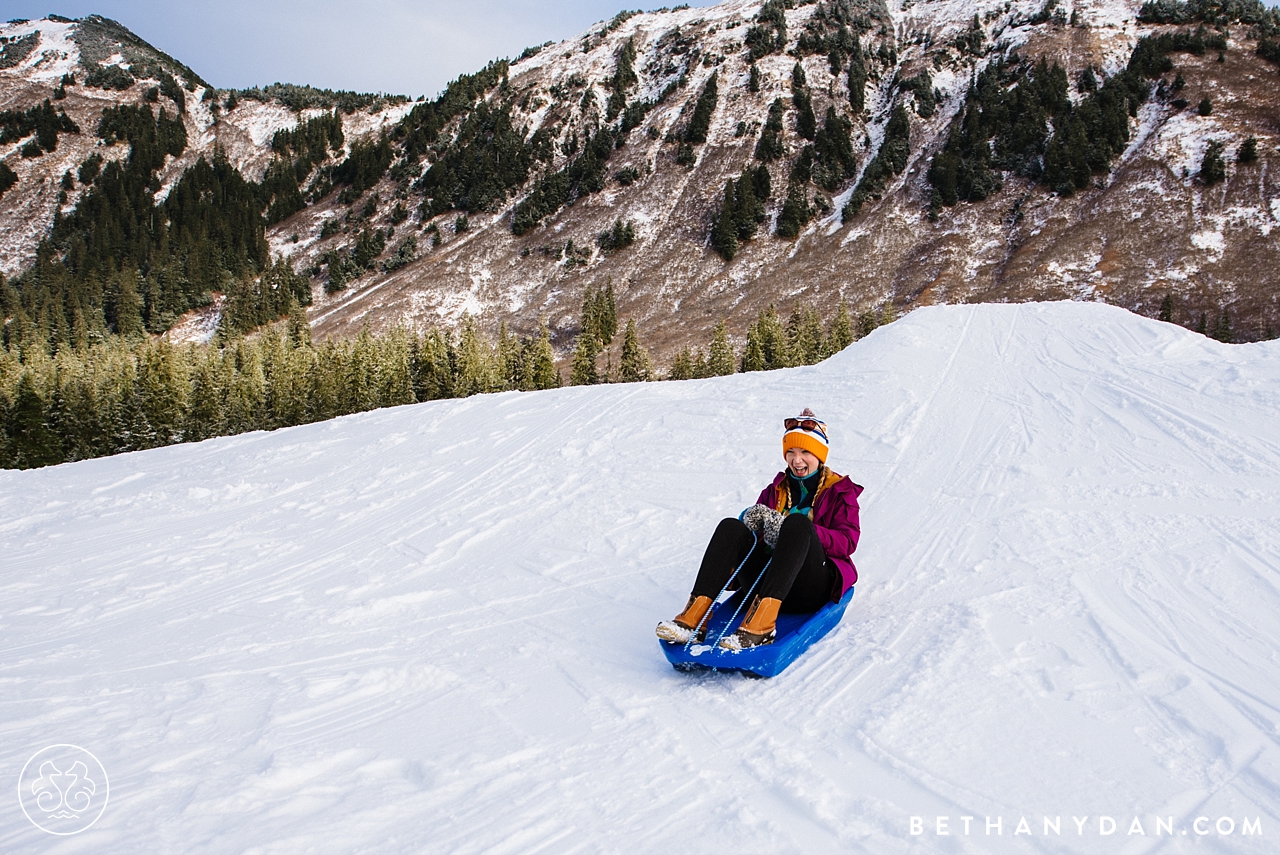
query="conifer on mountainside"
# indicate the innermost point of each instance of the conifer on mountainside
(806, 121)
(700, 121)
(635, 365)
(597, 327)
(857, 79)
(720, 353)
(1213, 168)
(724, 234)
(770, 146)
(769, 33)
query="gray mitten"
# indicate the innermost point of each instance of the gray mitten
(754, 517)
(772, 523)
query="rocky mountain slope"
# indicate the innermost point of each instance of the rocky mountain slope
(507, 182)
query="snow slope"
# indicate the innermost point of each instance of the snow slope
(429, 629)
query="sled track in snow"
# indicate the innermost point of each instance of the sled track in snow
(432, 627)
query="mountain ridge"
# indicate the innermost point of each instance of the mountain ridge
(1148, 235)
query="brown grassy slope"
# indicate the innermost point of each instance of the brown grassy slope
(1145, 231)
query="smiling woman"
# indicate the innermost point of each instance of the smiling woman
(792, 548)
(378, 46)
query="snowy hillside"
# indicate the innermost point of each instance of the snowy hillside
(430, 629)
(59, 49)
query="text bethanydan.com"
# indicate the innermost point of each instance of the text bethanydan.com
(1102, 826)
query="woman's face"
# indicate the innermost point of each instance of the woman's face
(801, 463)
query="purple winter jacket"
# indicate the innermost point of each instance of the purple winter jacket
(835, 519)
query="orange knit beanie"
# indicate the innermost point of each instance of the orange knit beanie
(806, 432)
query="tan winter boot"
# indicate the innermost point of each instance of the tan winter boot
(681, 628)
(758, 627)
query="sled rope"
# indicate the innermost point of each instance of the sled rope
(746, 599)
(755, 540)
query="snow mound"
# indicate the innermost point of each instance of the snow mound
(430, 629)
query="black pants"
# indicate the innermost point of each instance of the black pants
(797, 572)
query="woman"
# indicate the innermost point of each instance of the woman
(799, 534)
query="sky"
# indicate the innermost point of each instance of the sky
(407, 47)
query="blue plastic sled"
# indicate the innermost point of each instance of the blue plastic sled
(795, 634)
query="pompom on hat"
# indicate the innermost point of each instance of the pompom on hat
(807, 432)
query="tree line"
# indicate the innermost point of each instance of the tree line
(121, 394)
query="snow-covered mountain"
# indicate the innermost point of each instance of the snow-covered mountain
(78, 65)
(1144, 228)
(430, 629)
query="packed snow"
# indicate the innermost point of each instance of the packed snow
(430, 629)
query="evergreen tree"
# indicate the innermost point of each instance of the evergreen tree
(1166, 309)
(769, 33)
(30, 442)
(583, 371)
(888, 314)
(584, 174)
(770, 146)
(834, 160)
(204, 414)
(1088, 82)
(539, 362)
(8, 177)
(867, 322)
(365, 165)
(700, 122)
(840, 335)
(749, 210)
(589, 344)
(795, 213)
(798, 80)
(724, 233)
(1213, 169)
(395, 371)
(635, 365)
(624, 78)
(475, 371)
(620, 236)
(510, 362)
(605, 314)
(890, 160)
(245, 399)
(1248, 150)
(162, 388)
(299, 328)
(433, 367)
(804, 336)
(773, 340)
(857, 81)
(128, 306)
(806, 121)
(682, 366)
(720, 354)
